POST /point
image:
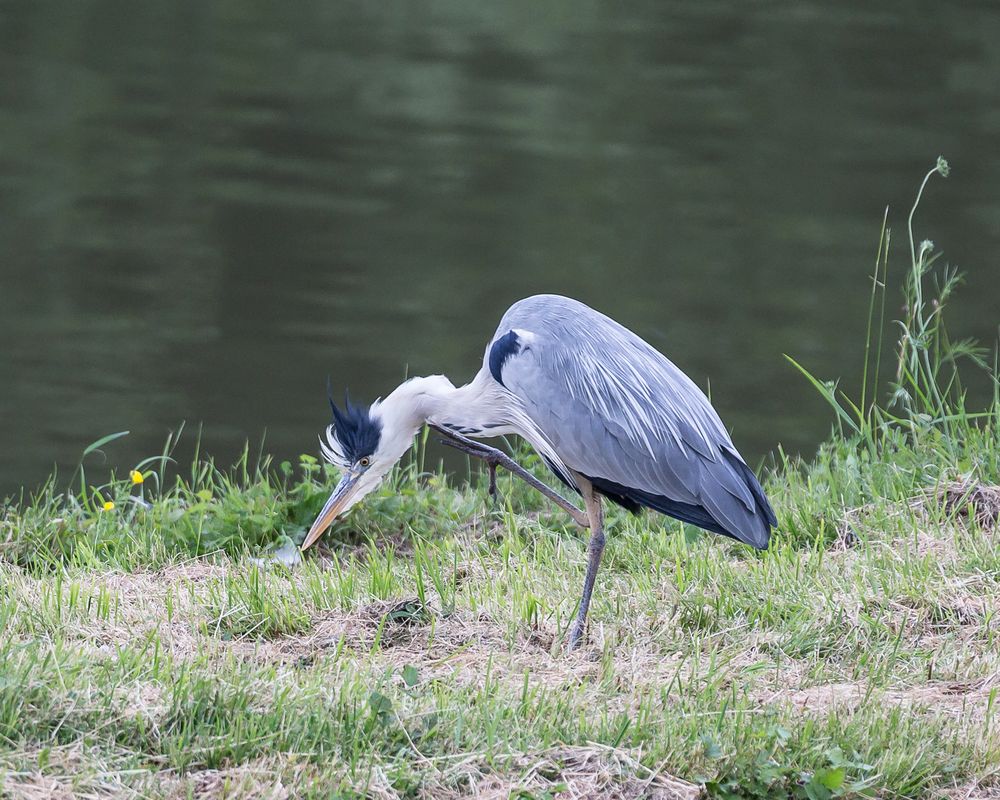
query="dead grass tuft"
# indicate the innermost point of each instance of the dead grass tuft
(75, 771)
(964, 498)
(592, 772)
(271, 779)
(959, 698)
(402, 632)
(35, 786)
(970, 499)
(976, 790)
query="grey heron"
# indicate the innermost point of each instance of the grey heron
(610, 415)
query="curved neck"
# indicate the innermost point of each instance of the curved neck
(481, 408)
(435, 399)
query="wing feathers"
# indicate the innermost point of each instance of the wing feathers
(620, 413)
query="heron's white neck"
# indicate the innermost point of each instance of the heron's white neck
(481, 408)
(436, 400)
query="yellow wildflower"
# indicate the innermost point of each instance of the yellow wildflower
(136, 477)
(108, 505)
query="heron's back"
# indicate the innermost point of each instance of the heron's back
(620, 413)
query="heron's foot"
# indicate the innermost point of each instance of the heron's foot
(575, 634)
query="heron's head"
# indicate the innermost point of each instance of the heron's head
(365, 442)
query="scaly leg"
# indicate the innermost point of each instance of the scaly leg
(494, 458)
(595, 548)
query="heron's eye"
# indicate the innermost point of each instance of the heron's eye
(364, 461)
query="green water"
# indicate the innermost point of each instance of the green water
(208, 207)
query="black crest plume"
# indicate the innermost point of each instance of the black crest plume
(355, 431)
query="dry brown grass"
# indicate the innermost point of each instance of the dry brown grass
(976, 790)
(969, 700)
(592, 772)
(971, 499)
(73, 772)
(963, 498)
(629, 658)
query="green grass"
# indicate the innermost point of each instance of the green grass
(143, 651)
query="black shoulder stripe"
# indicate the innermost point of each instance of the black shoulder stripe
(502, 349)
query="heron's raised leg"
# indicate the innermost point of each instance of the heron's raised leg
(495, 458)
(595, 548)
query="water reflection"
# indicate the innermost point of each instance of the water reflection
(206, 208)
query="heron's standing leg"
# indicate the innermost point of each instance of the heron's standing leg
(595, 548)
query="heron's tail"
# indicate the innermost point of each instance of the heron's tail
(763, 514)
(740, 511)
(733, 502)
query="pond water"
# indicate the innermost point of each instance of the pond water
(206, 208)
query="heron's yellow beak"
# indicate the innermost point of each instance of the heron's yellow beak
(340, 498)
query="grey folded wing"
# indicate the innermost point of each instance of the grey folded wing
(620, 413)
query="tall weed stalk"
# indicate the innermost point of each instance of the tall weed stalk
(925, 395)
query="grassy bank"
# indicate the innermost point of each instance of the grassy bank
(145, 652)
